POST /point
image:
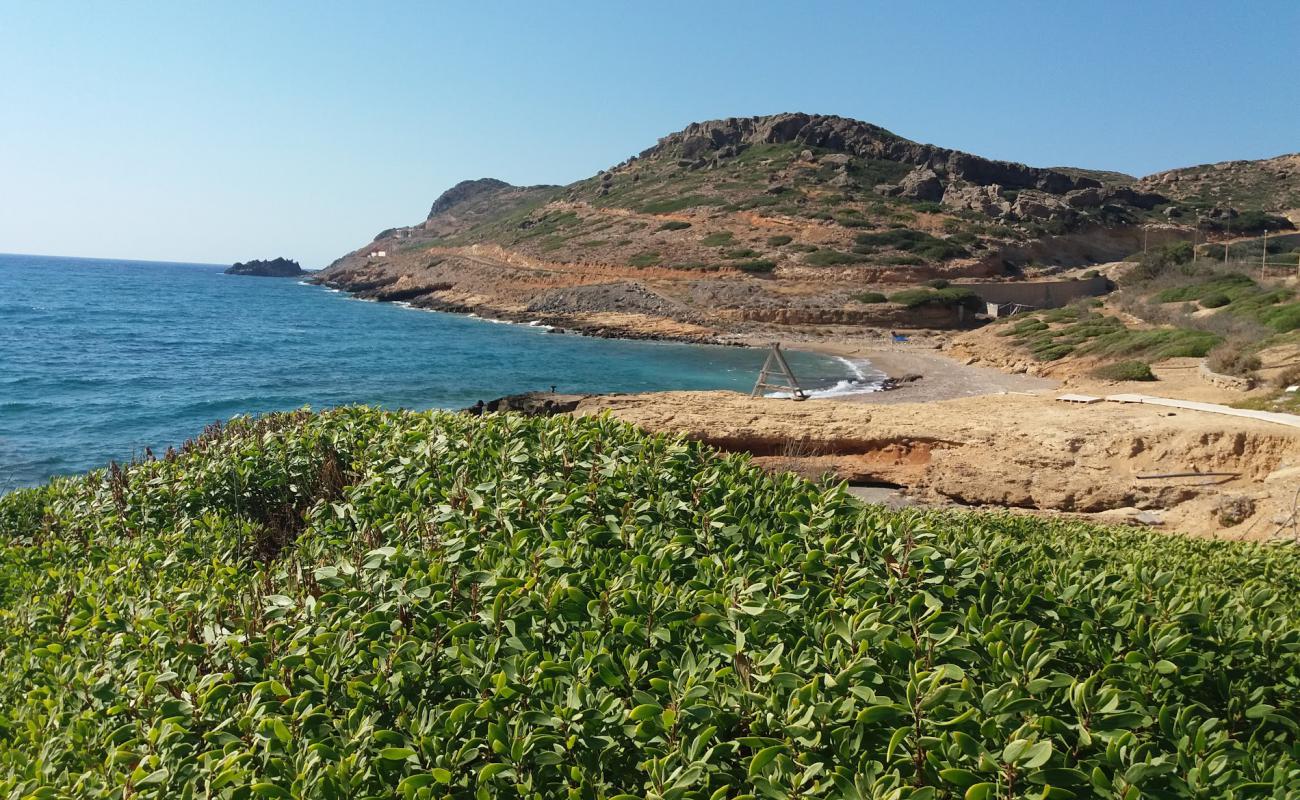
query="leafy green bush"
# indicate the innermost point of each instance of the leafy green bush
(1159, 260)
(757, 265)
(719, 239)
(1215, 300)
(870, 297)
(740, 252)
(674, 225)
(1125, 371)
(938, 283)
(778, 241)
(394, 604)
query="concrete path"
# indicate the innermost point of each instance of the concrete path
(1279, 418)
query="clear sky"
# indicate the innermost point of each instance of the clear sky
(228, 131)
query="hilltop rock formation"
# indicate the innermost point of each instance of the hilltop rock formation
(275, 268)
(862, 139)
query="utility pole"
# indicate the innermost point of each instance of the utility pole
(1227, 243)
(1145, 235)
(1263, 257)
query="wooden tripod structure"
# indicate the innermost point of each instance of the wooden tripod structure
(775, 367)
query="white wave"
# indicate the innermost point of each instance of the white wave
(537, 323)
(865, 379)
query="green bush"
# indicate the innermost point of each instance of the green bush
(1125, 371)
(870, 298)
(938, 283)
(778, 241)
(396, 604)
(911, 241)
(674, 225)
(1159, 260)
(719, 239)
(1215, 300)
(757, 265)
(740, 252)
(829, 258)
(670, 205)
(646, 259)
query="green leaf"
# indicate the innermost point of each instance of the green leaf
(396, 753)
(644, 712)
(764, 757)
(959, 777)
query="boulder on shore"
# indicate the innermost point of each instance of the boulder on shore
(275, 268)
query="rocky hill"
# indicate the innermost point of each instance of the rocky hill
(729, 224)
(1268, 186)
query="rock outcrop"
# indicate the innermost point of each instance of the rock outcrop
(275, 268)
(854, 137)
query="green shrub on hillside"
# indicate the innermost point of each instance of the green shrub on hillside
(394, 604)
(1125, 371)
(829, 258)
(674, 225)
(1086, 333)
(778, 241)
(870, 298)
(669, 205)
(719, 239)
(757, 265)
(646, 259)
(911, 241)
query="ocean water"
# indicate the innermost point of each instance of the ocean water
(100, 359)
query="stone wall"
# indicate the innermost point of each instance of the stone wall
(1039, 294)
(1225, 381)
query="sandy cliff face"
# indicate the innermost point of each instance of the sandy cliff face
(1018, 451)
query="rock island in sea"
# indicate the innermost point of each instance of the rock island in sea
(275, 268)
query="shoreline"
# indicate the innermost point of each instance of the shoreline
(912, 372)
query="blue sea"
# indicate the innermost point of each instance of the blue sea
(100, 359)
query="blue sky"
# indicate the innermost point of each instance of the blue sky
(228, 131)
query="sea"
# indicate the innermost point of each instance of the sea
(102, 358)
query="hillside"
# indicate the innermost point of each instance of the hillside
(734, 223)
(1269, 185)
(386, 604)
